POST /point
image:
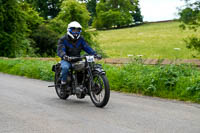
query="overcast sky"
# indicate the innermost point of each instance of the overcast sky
(158, 10)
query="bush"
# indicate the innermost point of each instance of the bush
(193, 43)
(45, 41)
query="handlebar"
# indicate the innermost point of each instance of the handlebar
(81, 58)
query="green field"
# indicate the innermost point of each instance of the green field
(152, 40)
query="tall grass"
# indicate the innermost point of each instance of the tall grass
(175, 82)
(29, 68)
(171, 81)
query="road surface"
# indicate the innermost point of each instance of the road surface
(29, 106)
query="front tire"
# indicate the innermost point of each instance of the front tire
(99, 90)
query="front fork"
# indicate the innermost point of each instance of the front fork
(91, 83)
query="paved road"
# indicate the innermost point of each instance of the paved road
(28, 106)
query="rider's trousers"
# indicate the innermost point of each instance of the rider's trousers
(65, 69)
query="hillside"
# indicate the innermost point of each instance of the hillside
(152, 40)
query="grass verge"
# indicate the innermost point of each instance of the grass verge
(180, 82)
(171, 81)
(32, 68)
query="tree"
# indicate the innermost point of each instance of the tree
(137, 15)
(17, 20)
(71, 10)
(190, 18)
(190, 15)
(115, 13)
(44, 44)
(33, 20)
(13, 28)
(46, 8)
(91, 7)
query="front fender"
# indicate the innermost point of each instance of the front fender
(98, 69)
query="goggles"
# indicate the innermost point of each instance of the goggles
(75, 30)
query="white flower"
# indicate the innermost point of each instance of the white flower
(177, 49)
(139, 55)
(130, 55)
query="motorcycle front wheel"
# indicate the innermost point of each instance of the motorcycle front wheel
(99, 90)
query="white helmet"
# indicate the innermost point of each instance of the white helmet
(74, 30)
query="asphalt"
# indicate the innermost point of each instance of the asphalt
(29, 106)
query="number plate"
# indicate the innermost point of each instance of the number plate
(90, 58)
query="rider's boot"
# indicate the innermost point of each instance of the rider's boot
(63, 86)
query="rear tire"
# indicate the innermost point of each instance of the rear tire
(57, 82)
(94, 93)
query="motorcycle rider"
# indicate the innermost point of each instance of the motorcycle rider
(69, 46)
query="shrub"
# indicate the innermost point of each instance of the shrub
(45, 41)
(193, 43)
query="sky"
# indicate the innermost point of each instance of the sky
(159, 10)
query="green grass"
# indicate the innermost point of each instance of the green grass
(171, 81)
(34, 68)
(153, 40)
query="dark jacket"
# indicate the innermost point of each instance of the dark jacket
(67, 47)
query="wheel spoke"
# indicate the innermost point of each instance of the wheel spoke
(98, 82)
(100, 92)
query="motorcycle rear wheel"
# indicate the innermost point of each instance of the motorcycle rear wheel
(57, 82)
(99, 90)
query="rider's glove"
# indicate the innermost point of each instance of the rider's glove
(98, 56)
(66, 58)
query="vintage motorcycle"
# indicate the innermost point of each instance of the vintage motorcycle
(85, 77)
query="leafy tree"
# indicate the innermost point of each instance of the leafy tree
(190, 15)
(17, 20)
(115, 13)
(91, 7)
(13, 28)
(190, 18)
(137, 15)
(46, 8)
(33, 20)
(71, 10)
(44, 44)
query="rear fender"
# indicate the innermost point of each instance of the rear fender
(56, 67)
